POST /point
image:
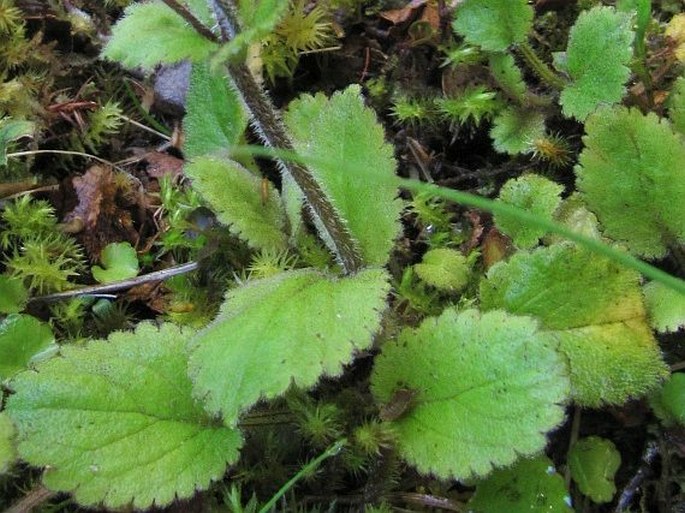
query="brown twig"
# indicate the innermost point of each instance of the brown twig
(119, 285)
(32, 499)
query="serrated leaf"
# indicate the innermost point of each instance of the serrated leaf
(8, 452)
(469, 370)
(13, 295)
(151, 33)
(531, 485)
(23, 340)
(120, 262)
(535, 194)
(215, 118)
(631, 176)
(341, 129)
(235, 195)
(666, 307)
(669, 402)
(116, 423)
(508, 76)
(513, 130)
(574, 214)
(599, 51)
(494, 25)
(593, 306)
(292, 328)
(444, 268)
(676, 105)
(593, 462)
(11, 130)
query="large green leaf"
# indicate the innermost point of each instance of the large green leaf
(530, 486)
(151, 33)
(116, 423)
(669, 402)
(292, 328)
(666, 307)
(486, 389)
(7, 449)
(593, 462)
(13, 295)
(364, 191)
(593, 307)
(23, 339)
(235, 195)
(493, 24)
(599, 51)
(632, 177)
(215, 119)
(120, 262)
(514, 128)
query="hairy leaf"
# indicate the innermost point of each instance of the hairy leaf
(11, 130)
(292, 328)
(514, 129)
(536, 195)
(493, 24)
(7, 449)
(530, 486)
(13, 295)
(342, 129)
(151, 33)
(669, 402)
(593, 462)
(599, 51)
(23, 340)
(666, 307)
(235, 195)
(593, 306)
(116, 422)
(508, 76)
(632, 177)
(444, 268)
(487, 387)
(215, 119)
(120, 262)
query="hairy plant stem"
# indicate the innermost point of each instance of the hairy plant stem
(268, 124)
(32, 500)
(541, 69)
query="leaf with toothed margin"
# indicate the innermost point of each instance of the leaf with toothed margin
(293, 328)
(487, 387)
(152, 33)
(116, 423)
(494, 25)
(353, 164)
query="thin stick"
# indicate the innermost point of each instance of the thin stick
(119, 285)
(31, 500)
(145, 127)
(65, 152)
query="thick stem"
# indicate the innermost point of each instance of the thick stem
(271, 129)
(540, 68)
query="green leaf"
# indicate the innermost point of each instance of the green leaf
(493, 24)
(530, 486)
(23, 340)
(593, 462)
(676, 105)
(536, 195)
(445, 269)
(292, 328)
(666, 307)
(11, 130)
(631, 176)
(116, 422)
(7, 445)
(151, 33)
(513, 129)
(594, 308)
(599, 51)
(258, 18)
(120, 262)
(13, 295)
(234, 194)
(669, 402)
(215, 119)
(508, 76)
(342, 130)
(469, 370)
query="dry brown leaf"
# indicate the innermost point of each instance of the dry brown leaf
(397, 16)
(162, 164)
